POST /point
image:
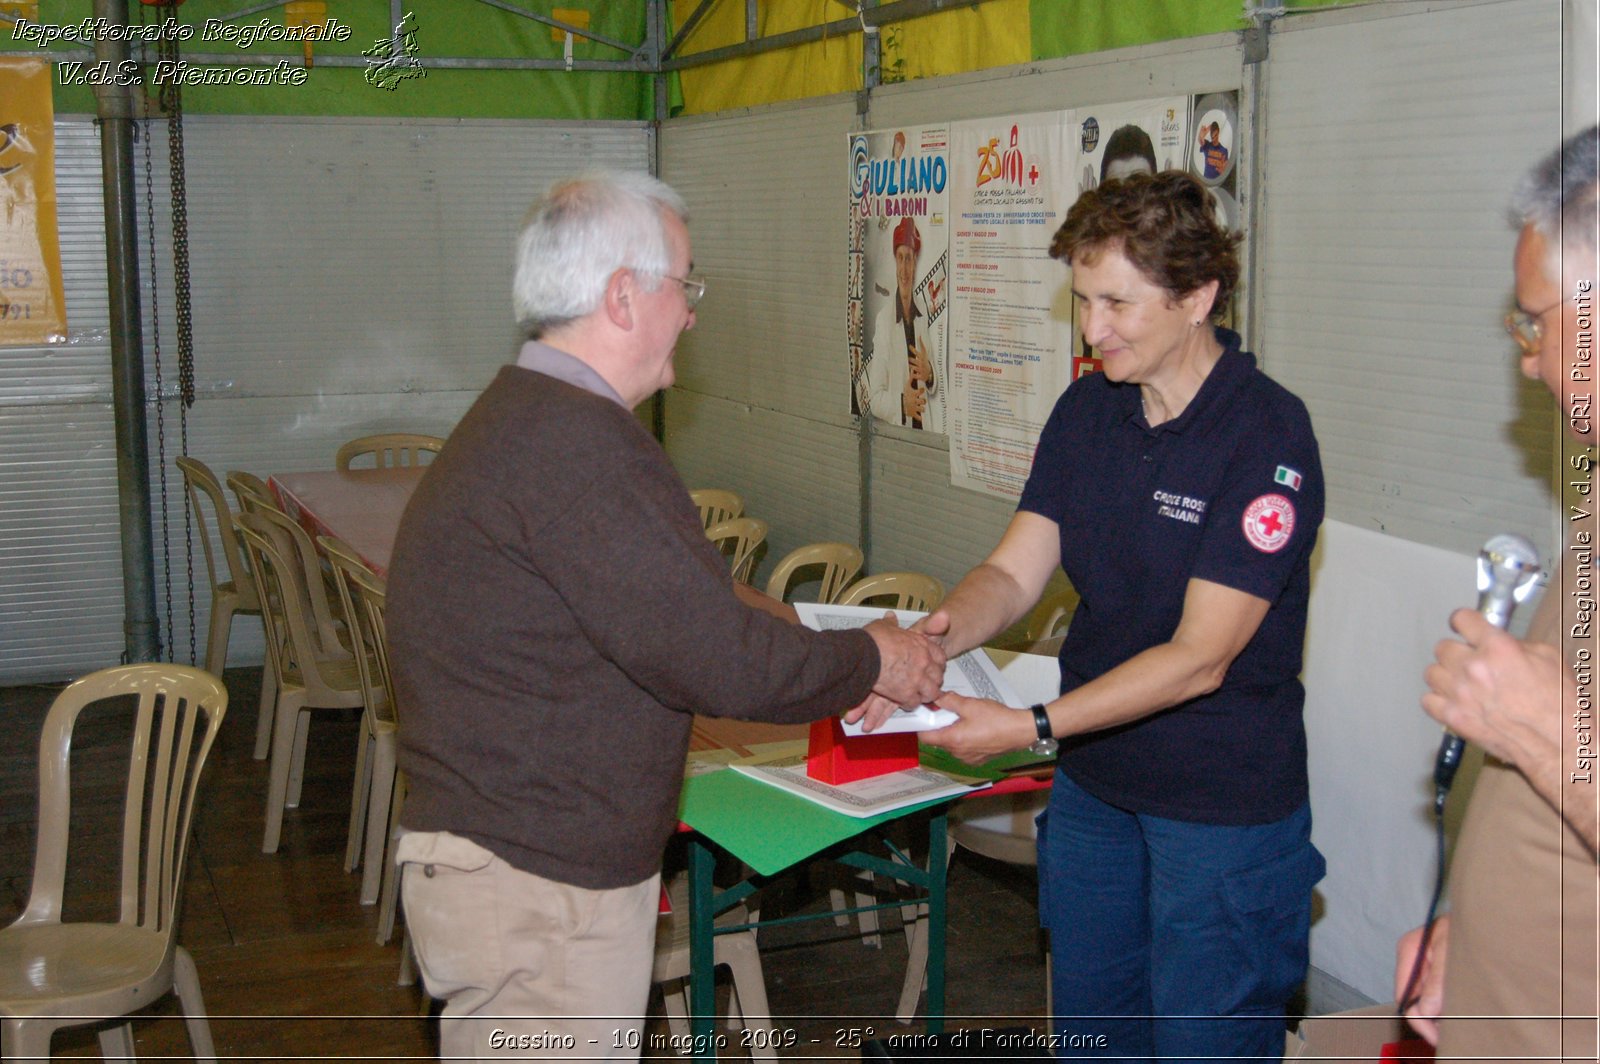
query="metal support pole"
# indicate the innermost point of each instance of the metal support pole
(141, 632)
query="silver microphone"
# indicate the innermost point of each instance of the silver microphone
(1508, 570)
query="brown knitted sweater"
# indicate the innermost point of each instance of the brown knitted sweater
(556, 614)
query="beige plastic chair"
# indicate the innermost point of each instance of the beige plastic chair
(55, 974)
(314, 671)
(232, 589)
(375, 755)
(1000, 827)
(738, 539)
(370, 593)
(736, 949)
(911, 591)
(251, 491)
(716, 505)
(840, 563)
(389, 449)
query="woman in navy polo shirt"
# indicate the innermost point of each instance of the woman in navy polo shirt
(1181, 491)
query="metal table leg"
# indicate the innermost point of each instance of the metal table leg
(702, 931)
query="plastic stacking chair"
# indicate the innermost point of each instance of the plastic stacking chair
(251, 491)
(314, 671)
(389, 449)
(739, 539)
(56, 974)
(373, 792)
(840, 562)
(1000, 827)
(232, 589)
(370, 600)
(736, 949)
(716, 505)
(911, 591)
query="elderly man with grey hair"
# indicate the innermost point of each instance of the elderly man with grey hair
(1512, 971)
(556, 615)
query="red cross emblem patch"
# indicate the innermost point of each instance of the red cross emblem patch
(1268, 523)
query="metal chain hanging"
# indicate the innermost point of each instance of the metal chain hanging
(171, 101)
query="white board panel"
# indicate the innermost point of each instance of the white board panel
(1392, 145)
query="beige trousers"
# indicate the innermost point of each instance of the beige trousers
(528, 968)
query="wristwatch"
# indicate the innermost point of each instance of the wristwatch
(1045, 745)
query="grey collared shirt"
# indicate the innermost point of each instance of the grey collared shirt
(542, 358)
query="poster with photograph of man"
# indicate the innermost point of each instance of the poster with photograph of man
(900, 295)
(1144, 136)
(1214, 151)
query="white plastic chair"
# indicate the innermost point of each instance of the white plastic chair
(55, 974)
(840, 563)
(388, 449)
(738, 538)
(374, 786)
(313, 670)
(910, 591)
(736, 949)
(716, 505)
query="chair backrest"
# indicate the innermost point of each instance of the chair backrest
(205, 493)
(251, 491)
(176, 712)
(716, 505)
(911, 591)
(840, 563)
(738, 539)
(1051, 616)
(314, 598)
(366, 627)
(293, 637)
(371, 596)
(389, 449)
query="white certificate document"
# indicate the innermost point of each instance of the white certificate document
(972, 674)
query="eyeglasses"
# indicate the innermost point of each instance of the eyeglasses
(1527, 329)
(694, 288)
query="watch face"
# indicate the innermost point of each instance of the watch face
(1044, 747)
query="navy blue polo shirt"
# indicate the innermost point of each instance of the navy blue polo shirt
(1229, 491)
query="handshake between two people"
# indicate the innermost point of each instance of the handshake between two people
(910, 672)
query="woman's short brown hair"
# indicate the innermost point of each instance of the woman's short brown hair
(1164, 224)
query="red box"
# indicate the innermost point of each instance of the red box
(834, 757)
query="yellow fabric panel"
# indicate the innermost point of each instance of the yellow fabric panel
(818, 69)
(953, 42)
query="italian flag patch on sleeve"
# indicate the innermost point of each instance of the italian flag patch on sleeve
(1287, 477)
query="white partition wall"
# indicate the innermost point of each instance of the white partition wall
(1393, 137)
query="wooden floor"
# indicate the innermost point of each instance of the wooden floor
(287, 959)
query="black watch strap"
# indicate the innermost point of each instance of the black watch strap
(1041, 721)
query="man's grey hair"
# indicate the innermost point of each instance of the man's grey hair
(1559, 198)
(579, 233)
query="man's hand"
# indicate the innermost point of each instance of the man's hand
(921, 368)
(911, 666)
(873, 712)
(986, 728)
(912, 399)
(1497, 691)
(1428, 995)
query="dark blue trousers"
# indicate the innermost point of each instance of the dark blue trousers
(1170, 939)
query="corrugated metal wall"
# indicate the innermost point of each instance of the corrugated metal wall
(349, 276)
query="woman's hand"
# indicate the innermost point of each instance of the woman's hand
(986, 729)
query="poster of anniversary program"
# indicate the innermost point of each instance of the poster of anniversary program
(949, 240)
(1010, 312)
